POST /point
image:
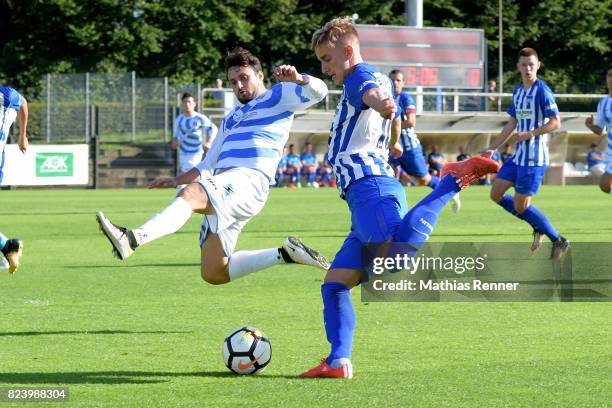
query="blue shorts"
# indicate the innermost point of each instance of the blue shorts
(526, 179)
(413, 162)
(377, 205)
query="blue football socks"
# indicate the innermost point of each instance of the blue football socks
(339, 317)
(433, 183)
(532, 215)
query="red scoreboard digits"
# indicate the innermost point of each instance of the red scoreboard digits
(422, 76)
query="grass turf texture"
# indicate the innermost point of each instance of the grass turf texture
(148, 331)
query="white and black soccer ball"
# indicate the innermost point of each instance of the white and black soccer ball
(247, 350)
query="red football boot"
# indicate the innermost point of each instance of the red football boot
(469, 171)
(323, 370)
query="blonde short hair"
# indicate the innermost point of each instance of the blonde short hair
(333, 31)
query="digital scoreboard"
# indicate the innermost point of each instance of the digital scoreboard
(428, 57)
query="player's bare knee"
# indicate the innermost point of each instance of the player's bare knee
(348, 277)
(496, 195)
(215, 275)
(605, 187)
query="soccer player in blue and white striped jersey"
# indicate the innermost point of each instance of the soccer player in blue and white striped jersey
(534, 115)
(359, 143)
(230, 186)
(193, 134)
(412, 160)
(12, 106)
(603, 121)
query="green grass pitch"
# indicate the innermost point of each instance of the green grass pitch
(149, 331)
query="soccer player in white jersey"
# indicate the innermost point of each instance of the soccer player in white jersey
(603, 120)
(534, 115)
(193, 134)
(412, 160)
(230, 186)
(359, 143)
(12, 106)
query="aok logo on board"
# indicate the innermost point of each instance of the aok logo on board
(54, 164)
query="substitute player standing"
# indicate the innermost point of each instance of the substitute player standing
(12, 106)
(359, 143)
(412, 160)
(231, 185)
(534, 114)
(193, 134)
(603, 120)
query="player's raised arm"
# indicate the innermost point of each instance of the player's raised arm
(23, 127)
(375, 99)
(312, 90)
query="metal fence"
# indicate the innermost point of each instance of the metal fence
(122, 108)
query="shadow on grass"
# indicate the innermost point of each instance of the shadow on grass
(45, 333)
(164, 265)
(119, 377)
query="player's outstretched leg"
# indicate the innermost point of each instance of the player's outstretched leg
(12, 250)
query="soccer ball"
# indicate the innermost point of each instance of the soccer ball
(247, 350)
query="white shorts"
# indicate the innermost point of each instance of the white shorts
(189, 161)
(597, 169)
(237, 195)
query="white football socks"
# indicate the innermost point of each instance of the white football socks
(243, 263)
(165, 222)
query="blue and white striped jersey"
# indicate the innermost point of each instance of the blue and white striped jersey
(190, 132)
(10, 103)
(406, 105)
(253, 135)
(603, 120)
(359, 136)
(531, 108)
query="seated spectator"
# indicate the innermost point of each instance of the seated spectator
(294, 165)
(489, 178)
(281, 170)
(309, 164)
(506, 154)
(436, 161)
(596, 161)
(462, 154)
(325, 175)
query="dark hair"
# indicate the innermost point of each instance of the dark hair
(528, 52)
(609, 68)
(396, 71)
(593, 145)
(187, 95)
(240, 57)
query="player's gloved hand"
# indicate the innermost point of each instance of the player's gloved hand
(288, 73)
(396, 150)
(487, 153)
(163, 182)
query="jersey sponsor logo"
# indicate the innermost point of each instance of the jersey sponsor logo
(524, 113)
(54, 164)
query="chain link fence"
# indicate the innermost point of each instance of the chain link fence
(122, 108)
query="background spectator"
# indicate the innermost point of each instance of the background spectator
(596, 161)
(436, 161)
(309, 164)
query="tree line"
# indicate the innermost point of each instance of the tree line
(187, 39)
